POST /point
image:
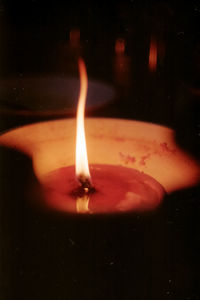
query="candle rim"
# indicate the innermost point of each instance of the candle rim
(168, 151)
(73, 119)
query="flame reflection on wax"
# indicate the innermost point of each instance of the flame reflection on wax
(82, 204)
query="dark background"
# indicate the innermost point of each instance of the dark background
(152, 256)
(35, 42)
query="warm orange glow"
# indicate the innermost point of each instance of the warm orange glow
(146, 147)
(82, 168)
(153, 55)
(120, 46)
(122, 63)
(82, 204)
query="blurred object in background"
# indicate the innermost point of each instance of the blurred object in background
(74, 37)
(68, 51)
(142, 48)
(153, 55)
(121, 64)
(50, 95)
(28, 99)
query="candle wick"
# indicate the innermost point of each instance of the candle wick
(85, 188)
(86, 184)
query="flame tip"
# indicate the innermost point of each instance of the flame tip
(82, 168)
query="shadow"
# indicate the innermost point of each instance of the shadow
(186, 121)
(182, 211)
(16, 183)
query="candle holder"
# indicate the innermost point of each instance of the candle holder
(144, 147)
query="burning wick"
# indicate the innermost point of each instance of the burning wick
(82, 167)
(85, 189)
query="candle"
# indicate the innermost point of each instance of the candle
(117, 189)
(133, 164)
(145, 147)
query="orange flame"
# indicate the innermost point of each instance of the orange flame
(82, 168)
(153, 55)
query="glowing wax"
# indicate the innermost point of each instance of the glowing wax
(117, 189)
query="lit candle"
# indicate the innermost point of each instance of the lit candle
(132, 164)
(114, 189)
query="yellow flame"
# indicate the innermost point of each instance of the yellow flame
(82, 168)
(82, 204)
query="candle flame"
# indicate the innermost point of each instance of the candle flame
(82, 168)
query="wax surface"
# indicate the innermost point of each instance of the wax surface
(117, 189)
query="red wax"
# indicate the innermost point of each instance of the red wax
(117, 189)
